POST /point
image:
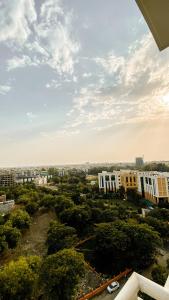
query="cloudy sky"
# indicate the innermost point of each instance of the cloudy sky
(80, 81)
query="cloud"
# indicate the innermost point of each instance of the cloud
(87, 75)
(129, 90)
(31, 116)
(38, 39)
(4, 89)
(53, 84)
(111, 63)
(20, 62)
(60, 134)
(16, 17)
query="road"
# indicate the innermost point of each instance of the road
(106, 296)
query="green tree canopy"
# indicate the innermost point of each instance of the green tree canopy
(159, 274)
(60, 274)
(20, 219)
(63, 203)
(160, 213)
(158, 225)
(77, 217)
(18, 279)
(12, 235)
(118, 245)
(60, 236)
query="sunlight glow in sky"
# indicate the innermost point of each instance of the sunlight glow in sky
(80, 81)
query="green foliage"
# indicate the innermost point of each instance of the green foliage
(31, 207)
(63, 203)
(18, 279)
(133, 196)
(12, 235)
(118, 245)
(48, 201)
(159, 275)
(160, 213)
(167, 263)
(60, 274)
(158, 225)
(160, 167)
(77, 217)
(3, 243)
(60, 236)
(20, 219)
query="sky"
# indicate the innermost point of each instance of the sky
(80, 81)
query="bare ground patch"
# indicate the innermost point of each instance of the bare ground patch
(33, 240)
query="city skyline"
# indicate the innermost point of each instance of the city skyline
(80, 81)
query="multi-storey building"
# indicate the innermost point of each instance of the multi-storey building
(7, 179)
(111, 181)
(139, 162)
(129, 180)
(153, 186)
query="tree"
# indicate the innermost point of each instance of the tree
(78, 217)
(158, 225)
(133, 196)
(60, 236)
(119, 245)
(63, 203)
(31, 207)
(159, 274)
(60, 274)
(48, 201)
(20, 219)
(3, 243)
(18, 279)
(12, 235)
(160, 213)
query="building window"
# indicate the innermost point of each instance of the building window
(126, 179)
(107, 178)
(113, 178)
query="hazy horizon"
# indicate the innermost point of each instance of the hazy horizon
(80, 81)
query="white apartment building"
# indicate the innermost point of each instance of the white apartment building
(154, 186)
(109, 181)
(138, 283)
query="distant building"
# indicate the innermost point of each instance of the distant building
(129, 180)
(112, 181)
(41, 180)
(109, 181)
(7, 179)
(153, 186)
(139, 162)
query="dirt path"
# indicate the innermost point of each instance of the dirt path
(33, 240)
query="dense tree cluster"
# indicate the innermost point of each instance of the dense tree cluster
(60, 236)
(60, 274)
(18, 279)
(109, 232)
(120, 244)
